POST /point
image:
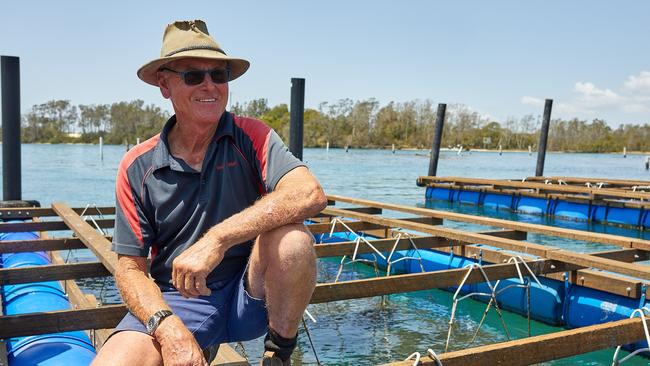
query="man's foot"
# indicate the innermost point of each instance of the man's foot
(270, 359)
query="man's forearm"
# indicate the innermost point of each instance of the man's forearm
(278, 208)
(141, 295)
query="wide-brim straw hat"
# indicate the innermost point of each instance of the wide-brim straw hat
(190, 38)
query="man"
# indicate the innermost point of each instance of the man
(219, 201)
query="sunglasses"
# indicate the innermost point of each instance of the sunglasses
(196, 77)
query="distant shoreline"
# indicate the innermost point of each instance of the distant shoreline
(445, 149)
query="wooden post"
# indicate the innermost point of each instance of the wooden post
(11, 168)
(101, 148)
(543, 138)
(297, 115)
(437, 138)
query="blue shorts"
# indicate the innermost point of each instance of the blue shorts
(229, 314)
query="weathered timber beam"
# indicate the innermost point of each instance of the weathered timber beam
(323, 228)
(61, 321)
(595, 279)
(386, 245)
(3, 346)
(540, 187)
(584, 260)
(12, 276)
(13, 227)
(30, 212)
(368, 210)
(88, 235)
(19, 246)
(326, 227)
(542, 348)
(621, 241)
(587, 260)
(79, 300)
(454, 234)
(356, 289)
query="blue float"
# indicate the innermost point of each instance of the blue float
(66, 348)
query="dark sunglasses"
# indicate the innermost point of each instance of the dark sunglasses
(196, 77)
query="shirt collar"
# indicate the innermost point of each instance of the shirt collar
(162, 156)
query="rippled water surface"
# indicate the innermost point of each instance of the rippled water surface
(374, 330)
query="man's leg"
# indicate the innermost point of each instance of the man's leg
(283, 271)
(129, 348)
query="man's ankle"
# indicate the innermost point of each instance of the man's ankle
(283, 347)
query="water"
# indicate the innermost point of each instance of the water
(364, 331)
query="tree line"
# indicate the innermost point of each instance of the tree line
(358, 124)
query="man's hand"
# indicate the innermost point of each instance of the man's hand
(191, 268)
(177, 345)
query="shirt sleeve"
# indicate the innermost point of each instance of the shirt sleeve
(133, 232)
(279, 162)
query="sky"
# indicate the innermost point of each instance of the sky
(499, 58)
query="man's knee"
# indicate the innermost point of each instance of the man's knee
(129, 348)
(290, 244)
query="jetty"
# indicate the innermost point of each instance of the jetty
(610, 201)
(614, 271)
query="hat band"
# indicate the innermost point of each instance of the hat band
(191, 48)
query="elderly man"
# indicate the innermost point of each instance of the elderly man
(219, 202)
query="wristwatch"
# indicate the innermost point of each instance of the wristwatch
(155, 320)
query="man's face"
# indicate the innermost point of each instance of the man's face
(203, 103)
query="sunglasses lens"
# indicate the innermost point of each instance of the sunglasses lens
(220, 76)
(193, 77)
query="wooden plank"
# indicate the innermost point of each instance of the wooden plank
(538, 187)
(357, 226)
(3, 345)
(386, 245)
(227, 356)
(453, 234)
(103, 317)
(584, 260)
(79, 300)
(88, 235)
(621, 241)
(52, 272)
(356, 289)
(13, 227)
(543, 348)
(587, 260)
(582, 181)
(597, 280)
(20, 246)
(368, 210)
(30, 212)
(325, 228)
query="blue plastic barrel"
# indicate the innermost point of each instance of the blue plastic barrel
(66, 348)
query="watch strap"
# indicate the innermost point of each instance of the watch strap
(155, 320)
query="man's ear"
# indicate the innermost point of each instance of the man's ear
(163, 84)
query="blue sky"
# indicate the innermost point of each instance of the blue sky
(500, 58)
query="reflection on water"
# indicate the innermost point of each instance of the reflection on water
(375, 330)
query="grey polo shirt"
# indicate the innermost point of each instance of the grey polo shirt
(163, 206)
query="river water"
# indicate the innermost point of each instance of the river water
(374, 330)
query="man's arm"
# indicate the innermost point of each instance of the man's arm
(296, 197)
(143, 298)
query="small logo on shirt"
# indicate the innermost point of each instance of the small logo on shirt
(229, 164)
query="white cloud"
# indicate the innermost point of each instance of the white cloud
(588, 100)
(594, 98)
(639, 82)
(535, 102)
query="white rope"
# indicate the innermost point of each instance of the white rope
(641, 312)
(434, 357)
(417, 358)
